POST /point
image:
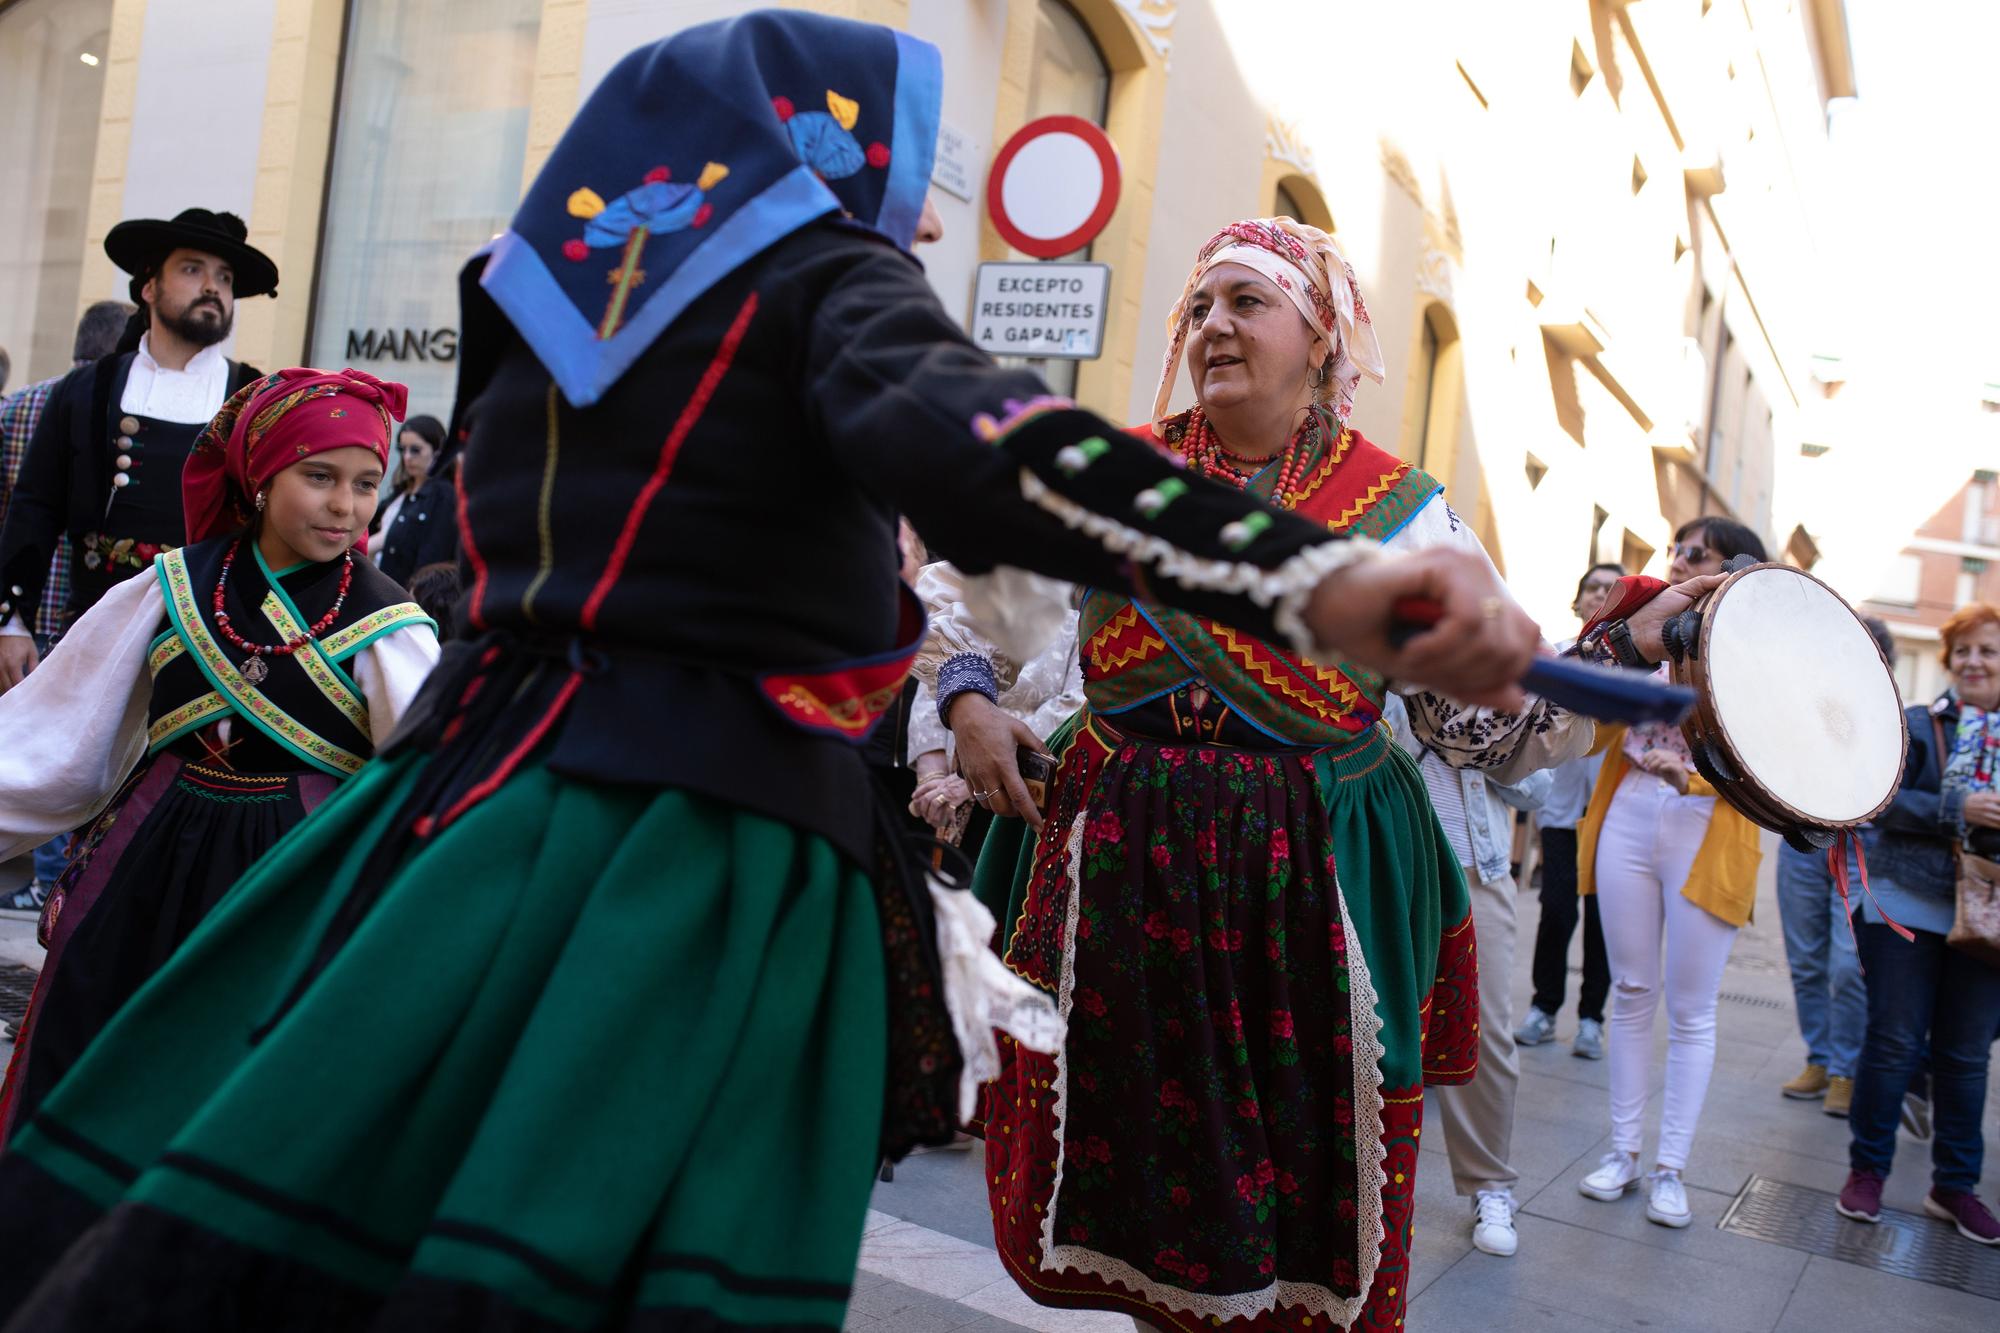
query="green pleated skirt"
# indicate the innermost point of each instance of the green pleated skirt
(598, 1057)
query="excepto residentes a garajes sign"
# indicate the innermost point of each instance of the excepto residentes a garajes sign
(1041, 310)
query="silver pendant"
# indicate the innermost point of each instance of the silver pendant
(253, 669)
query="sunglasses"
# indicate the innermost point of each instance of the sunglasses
(1693, 552)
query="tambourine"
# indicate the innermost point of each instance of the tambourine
(1797, 721)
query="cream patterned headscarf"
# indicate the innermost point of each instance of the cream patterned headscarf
(1309, 268)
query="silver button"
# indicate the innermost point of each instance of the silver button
(124, 441)
(128, 425)
(122, 479)
(124, 462)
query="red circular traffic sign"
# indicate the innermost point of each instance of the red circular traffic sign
(1053, 186)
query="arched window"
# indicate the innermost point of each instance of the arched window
(1068, 76)
(1433, 444)
(1296, 197)
(1287, 205)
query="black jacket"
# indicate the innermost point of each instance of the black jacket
(424, 533)
(67, 472)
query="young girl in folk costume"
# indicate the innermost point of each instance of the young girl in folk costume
(596, 1000)
(1241, 898)
(245, 676)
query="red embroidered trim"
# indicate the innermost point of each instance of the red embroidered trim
(848, 699)
(669, 452)
(1451, 1010)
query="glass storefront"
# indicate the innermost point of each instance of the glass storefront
(52, 55)
(427, 158)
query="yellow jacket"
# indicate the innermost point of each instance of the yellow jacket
(1723, 879)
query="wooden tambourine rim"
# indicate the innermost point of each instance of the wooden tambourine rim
(1704, 726)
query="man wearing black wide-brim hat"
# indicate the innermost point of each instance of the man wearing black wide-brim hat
(104, 465)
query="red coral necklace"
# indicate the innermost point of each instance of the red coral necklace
(1207, 455)
(254, 667)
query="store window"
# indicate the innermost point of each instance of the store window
(52, 63)
(427, 157)
(1068, 77)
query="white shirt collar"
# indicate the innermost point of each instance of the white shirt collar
(201, 363)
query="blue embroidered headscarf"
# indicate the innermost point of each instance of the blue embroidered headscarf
(693, 155)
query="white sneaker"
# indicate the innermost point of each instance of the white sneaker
(1493, 1222)
(1615, 1174)
(1669, 1202)
(1536, 1028)
(1589, 1043)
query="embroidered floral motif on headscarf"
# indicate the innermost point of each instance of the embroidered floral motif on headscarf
(710, 146)
(272, 423)
(1308, 267)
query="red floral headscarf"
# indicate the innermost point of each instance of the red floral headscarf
(1308, 267)
(272, 423)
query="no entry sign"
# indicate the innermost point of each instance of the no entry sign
(1053, 186)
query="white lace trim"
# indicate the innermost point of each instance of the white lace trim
(1369, 1166)
(1285, 589)
(1065, 989)
(981, 994)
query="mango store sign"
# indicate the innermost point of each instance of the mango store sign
(1041, 310)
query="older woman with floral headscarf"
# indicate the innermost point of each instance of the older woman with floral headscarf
(194, 717)
(1241, 899)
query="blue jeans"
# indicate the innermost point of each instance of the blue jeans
(1914, 989)
(50, 858)
(1827, 987)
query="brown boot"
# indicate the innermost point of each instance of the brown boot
(1811, 1083)
(1839, 1096)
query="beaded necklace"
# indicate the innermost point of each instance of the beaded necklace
(254, 667)
(1206, 454)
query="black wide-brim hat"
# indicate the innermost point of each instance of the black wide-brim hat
(139, 244)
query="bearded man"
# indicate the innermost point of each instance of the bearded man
(103, 468)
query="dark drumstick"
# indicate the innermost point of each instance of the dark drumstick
(1605, 693)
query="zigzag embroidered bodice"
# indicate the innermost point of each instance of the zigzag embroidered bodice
(1172, 675)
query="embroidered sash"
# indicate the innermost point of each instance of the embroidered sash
(308, 705)
(1133, 652)
(846, 700)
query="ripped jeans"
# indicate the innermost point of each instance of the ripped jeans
(1644, 853)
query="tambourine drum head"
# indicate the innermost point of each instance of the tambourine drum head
(1802, 696)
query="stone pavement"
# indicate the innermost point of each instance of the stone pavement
(928, 1263)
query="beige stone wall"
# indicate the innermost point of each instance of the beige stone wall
(114, 144)
(1589, 198)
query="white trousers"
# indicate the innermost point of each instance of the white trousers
(1647, 846)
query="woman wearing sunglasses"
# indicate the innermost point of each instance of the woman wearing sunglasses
(1675, 872)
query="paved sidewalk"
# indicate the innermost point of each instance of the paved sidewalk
(1582, 1265)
